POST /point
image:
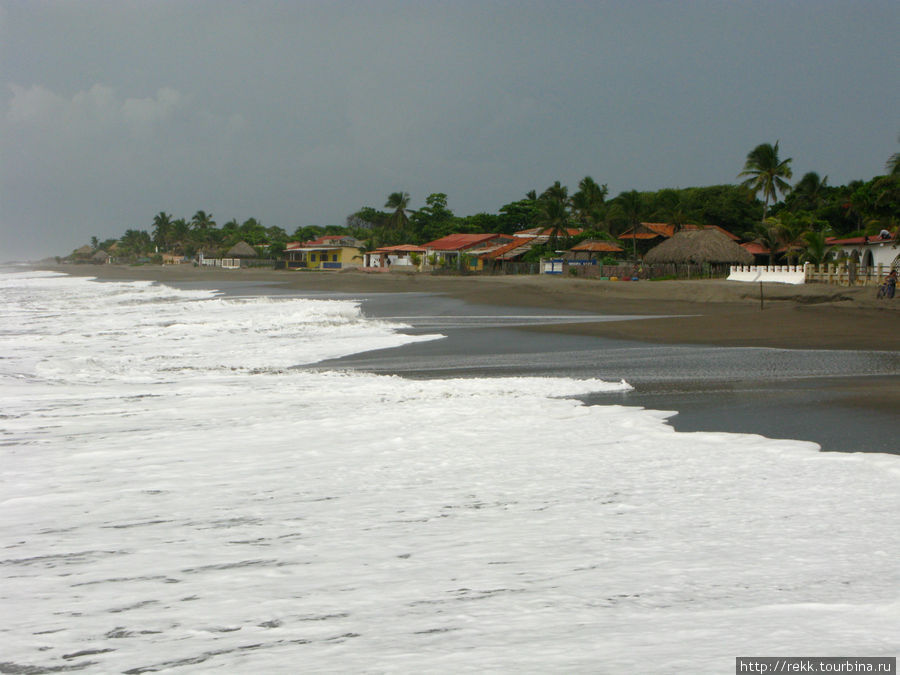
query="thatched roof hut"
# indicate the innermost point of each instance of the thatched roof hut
(241, 250)
(101, 257)
(697, 247)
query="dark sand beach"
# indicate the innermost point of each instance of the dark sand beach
(812, 362)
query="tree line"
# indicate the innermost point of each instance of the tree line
(787, 219)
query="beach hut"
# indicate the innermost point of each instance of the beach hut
(101, 257)
(706, 248)
(241, 250)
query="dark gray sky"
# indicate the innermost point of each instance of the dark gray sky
(299, 113)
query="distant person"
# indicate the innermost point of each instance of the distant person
(884, 234)
(889, 287)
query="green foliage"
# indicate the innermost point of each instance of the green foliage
(589, 203)
(135, 243)
(817, 251)
(767, 173)
(518, 215)
(432, 221)
(812, 206)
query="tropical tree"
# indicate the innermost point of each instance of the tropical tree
(893, 164)
(136, 242)
(588, 203)
(202, 225)
(671, 205)
(767, 235)
(398, 220)
(817, 250)
(632, 204)
(789, 230)
(181, 234)
(553, 213)
(162, 230)
(809, 192)
(767, 173)
(557, 192)
(553, 218)
(252, 232)
(433, 220)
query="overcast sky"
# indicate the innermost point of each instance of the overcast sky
(300, 112)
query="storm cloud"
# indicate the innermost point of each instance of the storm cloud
(300, 113)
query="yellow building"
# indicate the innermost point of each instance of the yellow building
(331, 252)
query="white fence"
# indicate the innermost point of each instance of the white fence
(224, 263)
(842, 274)
(782, 274)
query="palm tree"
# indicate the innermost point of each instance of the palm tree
(553, 218)
(808, 193)
(181, 232)
(632, 204)
(162, 230)
(202, 224)
(766, 235)
(671, 204)
(767, 173)
(893, 164)
(398, 220)
(588, 202)
(557, 191)
(790, 231)
(817, 250)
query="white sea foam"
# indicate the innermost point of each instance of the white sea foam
(174, 493)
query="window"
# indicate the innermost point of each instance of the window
(334, 257)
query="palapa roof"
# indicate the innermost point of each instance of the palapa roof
(241, 250)
(698, 246)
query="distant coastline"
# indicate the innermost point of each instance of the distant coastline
(715, 312)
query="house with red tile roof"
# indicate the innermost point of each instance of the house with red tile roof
(449, 251)
(400, 256)
(872, 251)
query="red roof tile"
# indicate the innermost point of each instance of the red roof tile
(400, 248)
(538, 231)
(459, 242)
(873, 239)
(511, 250)
(596, 247)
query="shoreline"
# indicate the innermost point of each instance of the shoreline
(825, 404)
(711, 312)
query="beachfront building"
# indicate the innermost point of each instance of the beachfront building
(452, 250)
(402, 256)
(870, 252)
(504, 257)
(330, 252)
